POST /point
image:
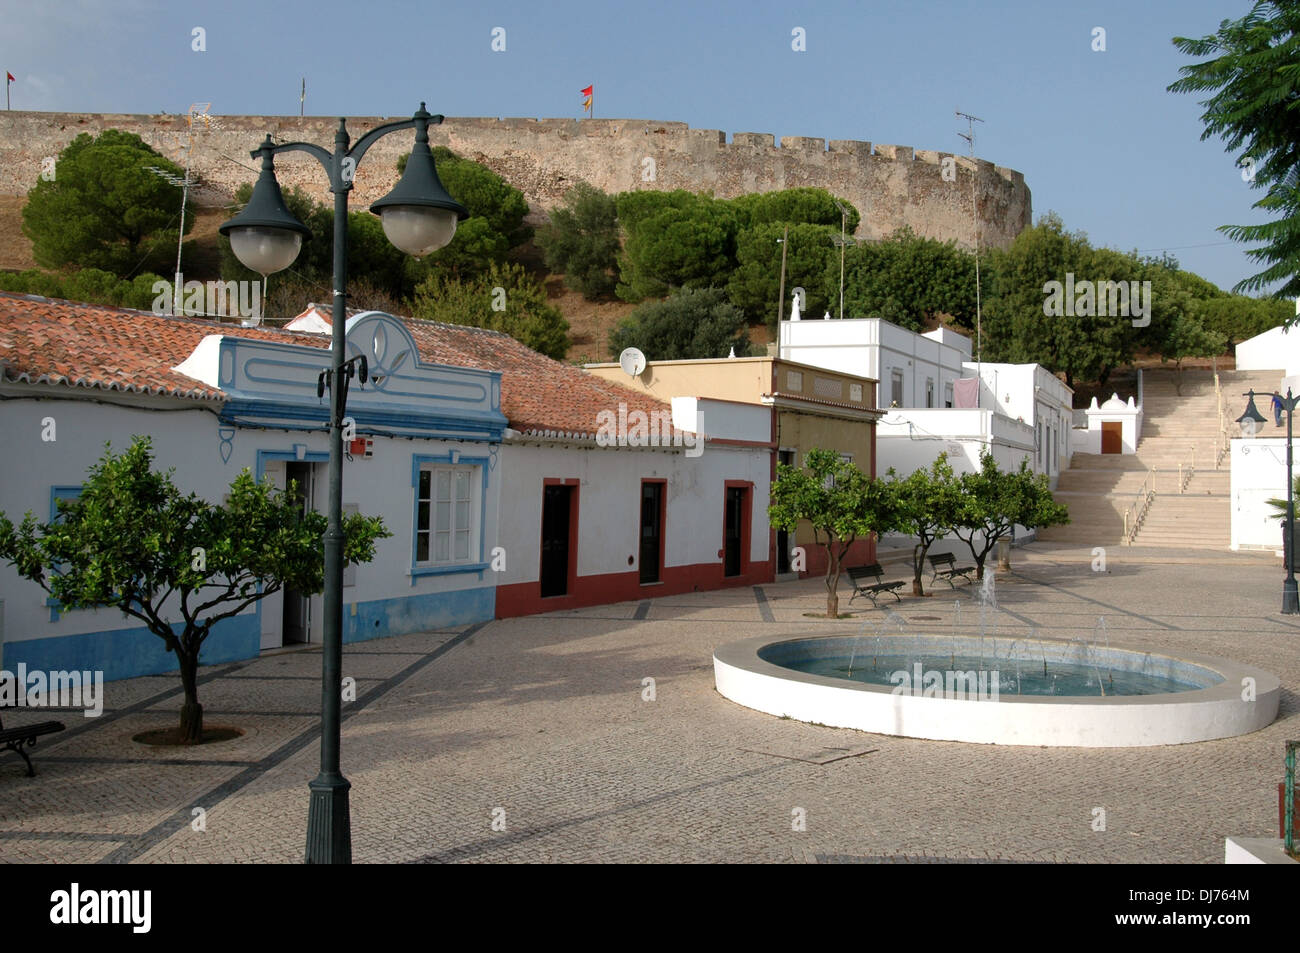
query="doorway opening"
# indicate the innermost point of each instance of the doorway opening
(296, 625)
(734, 542)
(557, 524)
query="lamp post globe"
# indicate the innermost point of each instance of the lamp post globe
(265, 250)
(419, 216)
(265, 236)
(1251, 419)
(417, 230)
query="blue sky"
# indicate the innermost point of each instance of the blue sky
(1096, 135)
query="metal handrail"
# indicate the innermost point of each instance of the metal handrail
(1185, 476)
(1222, 442)
(1138, 508)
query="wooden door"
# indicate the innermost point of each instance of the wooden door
(1112, 437)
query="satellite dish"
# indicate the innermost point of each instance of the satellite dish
(632, 361)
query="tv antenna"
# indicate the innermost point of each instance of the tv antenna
(198, 112)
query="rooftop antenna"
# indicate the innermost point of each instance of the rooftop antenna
(969, 136)
(198, 112)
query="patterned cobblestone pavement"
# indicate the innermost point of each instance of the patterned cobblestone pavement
(530, 740)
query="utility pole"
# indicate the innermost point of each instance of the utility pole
(780, 297)
(969, 136)
(843, 242)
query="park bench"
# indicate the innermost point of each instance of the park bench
(858, 576)
(945, 565)
(13, 739)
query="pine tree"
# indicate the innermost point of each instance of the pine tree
(1255, 81)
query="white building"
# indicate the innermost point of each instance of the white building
(914, 370)
(484, 459)
(1016, 411)
(1032, 395)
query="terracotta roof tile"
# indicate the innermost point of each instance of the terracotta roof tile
(48, 341)
(539, 396)
(82, 345)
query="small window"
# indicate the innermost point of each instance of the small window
(445, 524)
(947, 394)
(929, 392)
(896, 388)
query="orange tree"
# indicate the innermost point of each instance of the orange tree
(133, 541)
(840, 501)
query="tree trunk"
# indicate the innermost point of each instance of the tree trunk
(191, 710)
(918, 562)
(832, 584)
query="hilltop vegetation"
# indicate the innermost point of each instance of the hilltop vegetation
(702, 273)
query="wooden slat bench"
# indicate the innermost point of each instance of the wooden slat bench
(13, 739)
(945, 565)
(858, 576)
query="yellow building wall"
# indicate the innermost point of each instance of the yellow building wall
(803, 432)
(740, 379)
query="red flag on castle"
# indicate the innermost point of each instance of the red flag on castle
(9, 78)
(590, 95)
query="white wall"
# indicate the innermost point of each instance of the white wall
(609, 501)
(1275, 349)
(871, 347)
(1031, 393)
(725, 419)
(186, 438)
(1258, 475)
(908, 440)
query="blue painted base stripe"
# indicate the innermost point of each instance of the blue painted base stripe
(127, 653)
(419, 613)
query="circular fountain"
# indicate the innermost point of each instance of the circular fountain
(995, 689)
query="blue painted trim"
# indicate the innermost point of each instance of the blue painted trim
(129, 653)
(479, 425)
(415, 613)
(264, 457)
(418, 461)
(479, 568)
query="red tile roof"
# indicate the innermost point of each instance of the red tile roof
(539, 395)
(82, 345)
(47, 341)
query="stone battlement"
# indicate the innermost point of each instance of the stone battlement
(891, 185)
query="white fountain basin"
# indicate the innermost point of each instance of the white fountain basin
(1235, 700)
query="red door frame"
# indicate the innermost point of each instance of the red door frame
(746, 526)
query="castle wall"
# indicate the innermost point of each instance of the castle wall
(891, 185)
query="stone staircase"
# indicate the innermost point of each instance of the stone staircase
(1179, 442)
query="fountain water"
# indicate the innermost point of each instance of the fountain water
(890, 616)
(1101, 627)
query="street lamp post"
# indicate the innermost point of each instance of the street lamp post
(1250, 422)
(418, 217)
(784, 242)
